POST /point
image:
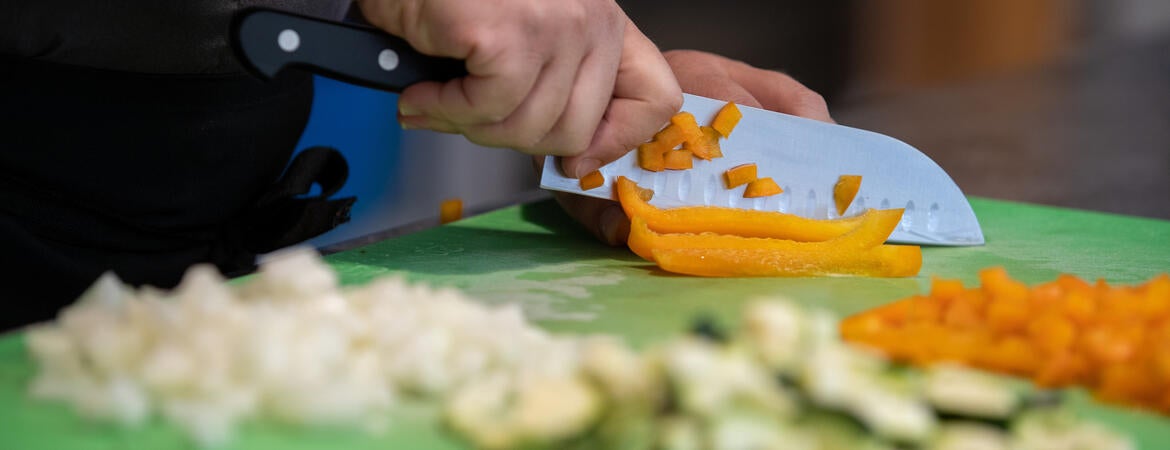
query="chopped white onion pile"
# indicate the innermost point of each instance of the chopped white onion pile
(287, 345)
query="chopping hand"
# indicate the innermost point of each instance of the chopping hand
(712, 76)
(570, 78)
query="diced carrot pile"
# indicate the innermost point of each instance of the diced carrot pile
(1114, 340)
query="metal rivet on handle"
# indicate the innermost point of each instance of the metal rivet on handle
(288, 40)
(387, 60)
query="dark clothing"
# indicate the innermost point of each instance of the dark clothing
(150, 36)
(130, 141)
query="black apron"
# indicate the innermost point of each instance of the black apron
(146, 175)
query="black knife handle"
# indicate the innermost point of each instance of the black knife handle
(267, 41)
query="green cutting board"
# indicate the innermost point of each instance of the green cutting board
(566, 281)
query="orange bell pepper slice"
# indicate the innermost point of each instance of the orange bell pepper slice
(875, 227)
(762, 187)
(845, 190)
(739, 222)
(881, 261)
(726, 119)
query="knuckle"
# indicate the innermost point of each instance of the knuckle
(810, 100)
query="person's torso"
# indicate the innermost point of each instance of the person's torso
(149, 36)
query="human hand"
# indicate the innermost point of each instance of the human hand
(572, 78)
(711, 76)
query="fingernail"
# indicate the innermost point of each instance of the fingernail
(407, 110)
(614, 226)
(587, 165)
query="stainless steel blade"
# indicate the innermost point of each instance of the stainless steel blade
(805, 157)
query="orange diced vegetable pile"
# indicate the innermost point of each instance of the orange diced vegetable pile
(592, 180)
(727, 242)
(844, 192)
(1114, 340)
(450, 210)
(663, 152)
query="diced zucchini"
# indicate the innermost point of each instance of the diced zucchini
(969, 393)
(969, 436)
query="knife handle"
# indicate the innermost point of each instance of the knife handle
(267, 41)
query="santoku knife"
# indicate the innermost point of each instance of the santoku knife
(804, 156)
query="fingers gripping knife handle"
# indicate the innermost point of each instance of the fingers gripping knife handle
(268, 41)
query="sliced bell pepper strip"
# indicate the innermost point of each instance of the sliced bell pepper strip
(762, 187)
(880, 261)
(875, 227)
(726, 119)
(844, 191)
(740, 222)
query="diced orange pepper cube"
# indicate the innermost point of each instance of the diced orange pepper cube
(450, 210)
(740, 175)
(592, 180)
(678, 160)
(670, 137)
(687, 126)
(947, 289)
(705, 147)
(762, 187)
(726, 119)
(651, 158)
(1052, 333)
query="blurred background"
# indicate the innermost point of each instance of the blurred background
(1058, 102)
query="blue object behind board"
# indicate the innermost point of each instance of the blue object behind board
(359, 122)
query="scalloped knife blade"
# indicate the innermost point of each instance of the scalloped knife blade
(805, 157)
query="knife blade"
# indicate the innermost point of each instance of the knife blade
(804, 156)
